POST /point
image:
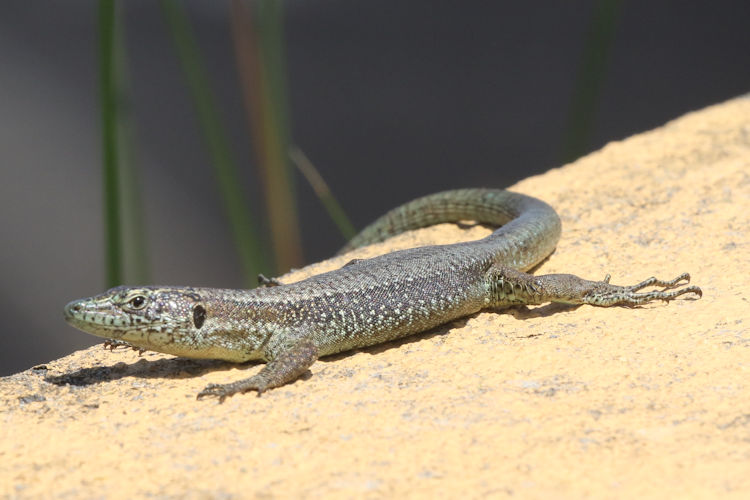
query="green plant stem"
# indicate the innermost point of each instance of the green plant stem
(260, 58)
(110, 176)
(243, 229)
(323, 192)
(590, 77)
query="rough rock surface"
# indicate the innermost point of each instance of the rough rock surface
(547, 401)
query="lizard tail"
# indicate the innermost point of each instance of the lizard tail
(514, 212)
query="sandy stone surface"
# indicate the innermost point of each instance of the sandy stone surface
(540, 402)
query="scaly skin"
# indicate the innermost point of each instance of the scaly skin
(366, 302)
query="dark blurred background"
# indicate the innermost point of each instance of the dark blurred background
(390, 100)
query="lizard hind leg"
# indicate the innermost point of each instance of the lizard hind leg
(511, 287)
(571, 289)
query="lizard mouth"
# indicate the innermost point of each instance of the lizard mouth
(92, 320)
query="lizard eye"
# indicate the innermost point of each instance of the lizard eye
(137, 302)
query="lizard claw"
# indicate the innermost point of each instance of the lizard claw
(223, 391)
(604, 294)
(113, 344)
(216, 390)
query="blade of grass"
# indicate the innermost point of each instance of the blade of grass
(323, 192)
(110, 176)
(132, 220)
(260, 57)
(135, 255)
(243, 229)
(585, 97)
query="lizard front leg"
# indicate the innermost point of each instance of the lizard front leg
(266, 282)
(511, 287)
(287, 361)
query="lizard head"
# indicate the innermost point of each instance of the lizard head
(146, 317)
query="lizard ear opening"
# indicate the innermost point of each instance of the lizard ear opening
(199, 316)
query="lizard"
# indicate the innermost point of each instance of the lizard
(365, 302)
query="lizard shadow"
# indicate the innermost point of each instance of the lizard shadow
(171, 368)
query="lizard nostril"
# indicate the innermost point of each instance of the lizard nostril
(72, 308)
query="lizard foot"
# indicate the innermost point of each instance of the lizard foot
(113, 344)
(265, 282)
(604, 294)
(223, 391)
